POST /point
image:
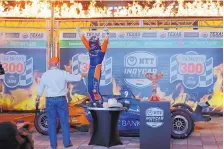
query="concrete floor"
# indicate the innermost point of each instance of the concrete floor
(206, 136)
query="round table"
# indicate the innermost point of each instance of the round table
(105, 124)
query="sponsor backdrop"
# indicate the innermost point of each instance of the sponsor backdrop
(23, 56)
(192, 62)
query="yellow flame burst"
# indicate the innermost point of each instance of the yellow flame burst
(22, 99)
(42, 9)
(216, 100)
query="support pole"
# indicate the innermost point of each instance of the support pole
(52, 48)
(48, 52)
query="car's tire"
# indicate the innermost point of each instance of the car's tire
(182, 124)
(41, 125)
(184, 106)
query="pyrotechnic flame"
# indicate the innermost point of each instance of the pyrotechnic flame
(74, 97)
(22, 99)
(216, 97)
(116, 88)
(138, 96)
(42, 9)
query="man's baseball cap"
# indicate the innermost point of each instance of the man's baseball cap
(53, 60)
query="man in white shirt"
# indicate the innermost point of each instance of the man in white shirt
(54, 83)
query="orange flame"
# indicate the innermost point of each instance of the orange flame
(116, 88)
(216, 97)
(22, 99)
(74, 97)
(41, 9)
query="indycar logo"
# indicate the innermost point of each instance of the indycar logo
(149, 34)
(191, 34)
(135, 65)
(154, 117)
(12, 35)
(69, 35)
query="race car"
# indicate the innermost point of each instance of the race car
(183, 116)
(77, 118)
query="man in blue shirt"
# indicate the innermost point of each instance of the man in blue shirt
(54, 83)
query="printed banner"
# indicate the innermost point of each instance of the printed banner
(192, 69)
(135, 64)
(19, 70)
(23, 57)
(152, 35)
(80, 64)
(192, 63)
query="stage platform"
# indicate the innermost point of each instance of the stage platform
(206, 136)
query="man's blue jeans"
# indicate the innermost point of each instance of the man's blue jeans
(58, 107)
